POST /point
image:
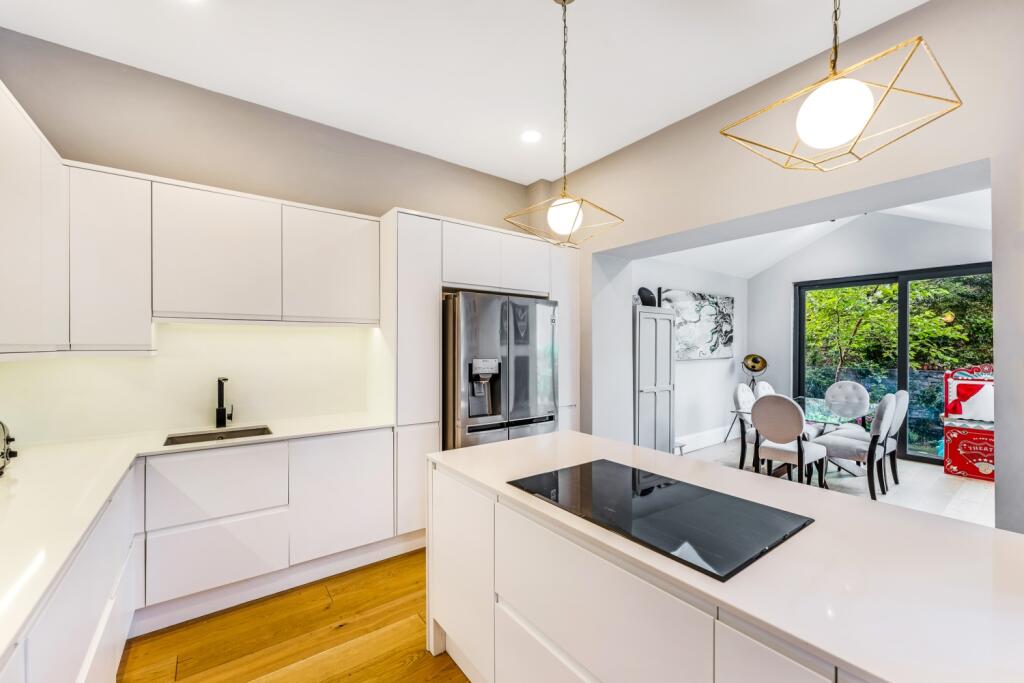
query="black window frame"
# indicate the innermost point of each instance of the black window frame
(902, 279)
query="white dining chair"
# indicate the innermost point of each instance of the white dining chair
(743, 401)
(763, 389)
(899, 418)
(847, 399)
(871, 453)
(779, 424)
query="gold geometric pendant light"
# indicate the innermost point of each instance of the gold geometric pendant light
(851, 113)
(565, 219)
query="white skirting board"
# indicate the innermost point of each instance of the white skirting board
(709, 437)
(162, 615)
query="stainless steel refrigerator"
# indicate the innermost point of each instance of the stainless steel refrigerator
(500, 368)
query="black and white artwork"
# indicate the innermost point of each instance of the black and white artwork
(704, 325)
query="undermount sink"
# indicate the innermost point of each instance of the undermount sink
(217, 435)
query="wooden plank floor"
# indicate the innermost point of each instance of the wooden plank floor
(364, 625)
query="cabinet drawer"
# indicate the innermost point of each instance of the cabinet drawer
(195, 558)
(519, 656)
(61, 636)
(108, 642)
(183, 488)
(739, 658)
(538, 574)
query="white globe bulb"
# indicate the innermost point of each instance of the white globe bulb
(834, 113)
(565, 215)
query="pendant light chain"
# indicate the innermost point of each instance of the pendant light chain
(565, 95)
(834, 57)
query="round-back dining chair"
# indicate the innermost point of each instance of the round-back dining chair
(847, 399)
(779, 422)
(763, 389)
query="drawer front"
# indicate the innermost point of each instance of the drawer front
(61, 636)
(108, 642)
(739, 659)
(519, 656)
(193, 487)
(195, 558)
(537, 572)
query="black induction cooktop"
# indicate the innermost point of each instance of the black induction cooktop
(713, 532)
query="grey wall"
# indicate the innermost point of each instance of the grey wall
(686, 177)
(876, 243)
(102, 112)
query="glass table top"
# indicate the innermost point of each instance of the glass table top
(712, 532)
(816, 410)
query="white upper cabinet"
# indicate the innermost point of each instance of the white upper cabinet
(525, 264)
(472, 256)
(111, 279)
(331, 267)
(565, 290)
(33, 233)
(419, 320)
(215, 255)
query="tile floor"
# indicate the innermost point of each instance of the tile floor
(922, 486)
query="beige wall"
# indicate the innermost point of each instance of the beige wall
(102, 112)
(687, 176)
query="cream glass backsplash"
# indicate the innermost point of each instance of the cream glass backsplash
(275, 371)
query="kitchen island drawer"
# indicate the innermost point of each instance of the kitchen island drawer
(183, 488)
(198, 557)
(537, 573)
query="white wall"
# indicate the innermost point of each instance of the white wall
(703, 387)
(876, 243)
(275, 372)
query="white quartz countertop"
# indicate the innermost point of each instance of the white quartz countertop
(879, 590)
(51, 494)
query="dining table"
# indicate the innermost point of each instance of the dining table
(830, 415)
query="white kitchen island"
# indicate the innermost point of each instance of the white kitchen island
(521, 590)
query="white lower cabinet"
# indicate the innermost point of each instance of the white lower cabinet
(197, 557)
(61, 637)
(412, 444)
(521, 656)
(104, 655)
(568, 419)
(741, 659)
(341, 492)
(538, 573)
(14, 670)
(460, 573)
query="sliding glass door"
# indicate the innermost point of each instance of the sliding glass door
(850, 334)
(895, 331)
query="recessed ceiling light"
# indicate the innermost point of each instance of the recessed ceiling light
(530, 136)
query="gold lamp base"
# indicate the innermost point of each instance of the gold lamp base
(911, 90)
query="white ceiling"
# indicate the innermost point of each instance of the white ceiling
(969, 210)
(745, 258)
(749, 256)
(461, 79)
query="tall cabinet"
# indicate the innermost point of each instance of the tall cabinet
(34, 235)
(417, 343)
(565, 290)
